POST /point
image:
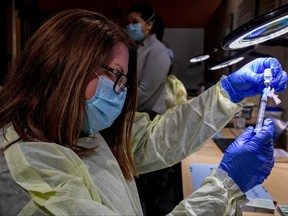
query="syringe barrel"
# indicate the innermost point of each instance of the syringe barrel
(267, 81)
(261, 112)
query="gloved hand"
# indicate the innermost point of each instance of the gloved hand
(249, 80)
(250, 159)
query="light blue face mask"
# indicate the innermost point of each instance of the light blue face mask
(104, 107)
(135, 32)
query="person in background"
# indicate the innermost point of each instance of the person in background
(159, 191)
(72, 144)
(146, 28)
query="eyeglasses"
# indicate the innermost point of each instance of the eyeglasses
(121, 80)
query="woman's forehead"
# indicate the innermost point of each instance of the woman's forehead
(120, 56)
(134, 16)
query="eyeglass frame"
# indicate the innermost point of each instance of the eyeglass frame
(118, 74)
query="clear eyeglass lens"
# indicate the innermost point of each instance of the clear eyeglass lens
(121, 84)
(118, 89)
(122, 81)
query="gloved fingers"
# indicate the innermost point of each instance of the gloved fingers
(257, 65)
(279, 83)
(262, 151)
(248, 80)
(243, 138)
(270, 164)
(265, 159)
(267, 168)
(260, 64)
(247, 77)
(259, 177)
(258, 82)
(279, 77)
(268, 126)
(269, 151)
(247, 134)
(266, 163)
(272, 63)
(261, 180)
(266, 134)
(255, 180)
(258, 78)
(264, 174)
(262, 145)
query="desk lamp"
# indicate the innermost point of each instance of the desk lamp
(268, 26)
(263, 28)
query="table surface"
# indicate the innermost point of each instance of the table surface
(276, 184)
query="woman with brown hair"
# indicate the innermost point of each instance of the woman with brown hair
(43, 98)
(71, 143)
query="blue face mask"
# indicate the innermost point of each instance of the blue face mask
(135, 32)
(104, 107)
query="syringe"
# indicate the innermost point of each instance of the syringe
(260, 118)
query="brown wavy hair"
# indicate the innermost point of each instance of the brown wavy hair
(43, 95)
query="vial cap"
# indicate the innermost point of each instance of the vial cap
(267, 76)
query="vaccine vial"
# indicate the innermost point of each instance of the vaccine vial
(267, 76)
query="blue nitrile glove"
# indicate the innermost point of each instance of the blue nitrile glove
(249, 159)
(249, 80)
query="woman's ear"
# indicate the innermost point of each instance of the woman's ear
(149, 25)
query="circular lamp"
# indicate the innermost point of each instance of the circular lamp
(265, 27)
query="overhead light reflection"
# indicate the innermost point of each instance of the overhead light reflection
(226, 63)
(199, 58)
(203, 57)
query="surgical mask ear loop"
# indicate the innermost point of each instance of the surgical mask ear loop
(97, 75)
(150, 18)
